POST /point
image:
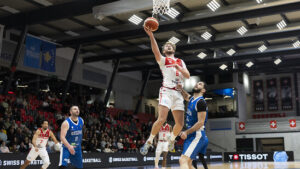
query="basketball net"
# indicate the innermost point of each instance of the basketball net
(160, 7)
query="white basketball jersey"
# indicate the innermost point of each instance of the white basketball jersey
(171, 76)
(43, 138)
(164, 132)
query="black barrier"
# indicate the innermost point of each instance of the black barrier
(277, 156)
(99, 160)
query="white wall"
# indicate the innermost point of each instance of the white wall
(223, 138)
(291, 140)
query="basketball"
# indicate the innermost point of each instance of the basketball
(151, 24)
(57, 147)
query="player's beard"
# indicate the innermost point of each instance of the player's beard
(45, 128)
(196, 90)
(75, 114)
(169, 52)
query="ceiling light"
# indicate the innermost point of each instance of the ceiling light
(9, 9)
(262, 48)
(174, 40)
(202, 55)
(213, 5)
(71, 33)
(135, 19)
(296, 44)
(116, 50)
(43, 2)
(173, 13)
(102, 28)
(277, 61)
(282, 24)
(242, 30)
(249, 64)
(231, 52)
(206, 35)
(259, 1)
(223, 67)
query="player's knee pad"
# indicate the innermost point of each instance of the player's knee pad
(45, 165)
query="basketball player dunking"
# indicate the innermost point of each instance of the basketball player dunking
(162, 145)
(39, 141)
(71, 137)
(174, 71)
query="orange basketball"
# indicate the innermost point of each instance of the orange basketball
(151, 24)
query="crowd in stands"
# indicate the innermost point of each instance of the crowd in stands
(104, 131)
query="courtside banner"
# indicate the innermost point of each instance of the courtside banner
(277, 156)
(98, 160)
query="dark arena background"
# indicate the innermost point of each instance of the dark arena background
(96, 54)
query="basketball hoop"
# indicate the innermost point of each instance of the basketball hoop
(160, 6)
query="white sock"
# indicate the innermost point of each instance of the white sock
(173, 137)
(150, 139)
(163, 168)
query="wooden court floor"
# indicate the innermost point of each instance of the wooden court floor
(235, 165)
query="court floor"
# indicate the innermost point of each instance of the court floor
(235, 165)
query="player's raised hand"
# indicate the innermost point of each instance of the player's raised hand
(149, 33)
(177, 67)
(179, 86)
(183, 135)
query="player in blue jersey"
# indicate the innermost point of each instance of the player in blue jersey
(71, 137)
(196, 116)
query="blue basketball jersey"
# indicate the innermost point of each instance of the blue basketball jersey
(74, 134)
(192, 113)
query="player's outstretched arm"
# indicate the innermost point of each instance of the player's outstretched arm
(186, 95)
(63, 133)
(154, 46)
(53, 137)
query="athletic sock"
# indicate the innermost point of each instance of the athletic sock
(173, 137)
(150, 139)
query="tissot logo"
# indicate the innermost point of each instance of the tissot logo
(236, 157)
(249, 157)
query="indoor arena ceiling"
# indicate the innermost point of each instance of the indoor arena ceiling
(246, 35)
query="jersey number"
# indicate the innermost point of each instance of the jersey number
(76, 138)
(41, 141)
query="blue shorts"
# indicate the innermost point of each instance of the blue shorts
(65, 156)
(194, 144)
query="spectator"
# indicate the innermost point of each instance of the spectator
(4, 148)
(23, 148)
(11, 134)
(3, 135)
(15, 148)
(120, 145)
(107, 149)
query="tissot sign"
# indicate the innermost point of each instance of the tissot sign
(259, 156)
